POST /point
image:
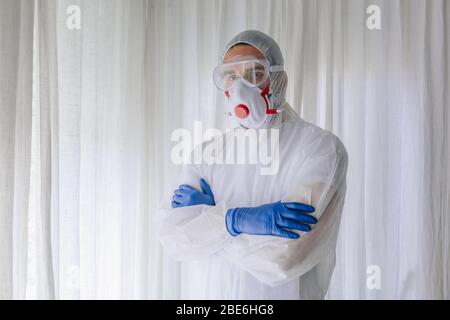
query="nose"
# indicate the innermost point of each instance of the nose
(241, 111)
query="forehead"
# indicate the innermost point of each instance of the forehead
(242, 50)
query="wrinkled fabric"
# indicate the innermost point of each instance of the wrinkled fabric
(313, 165)
(16, 83)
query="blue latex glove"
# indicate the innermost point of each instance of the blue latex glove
(271, 219)
(186, 195)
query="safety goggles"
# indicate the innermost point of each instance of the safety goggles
(254, 71)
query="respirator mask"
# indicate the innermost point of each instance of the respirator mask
(246, 84)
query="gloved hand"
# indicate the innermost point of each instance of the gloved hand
(186, 195)
(271, 219)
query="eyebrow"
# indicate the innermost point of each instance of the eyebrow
(228, 72)
(259, 67)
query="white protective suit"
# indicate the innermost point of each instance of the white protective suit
(312, 170)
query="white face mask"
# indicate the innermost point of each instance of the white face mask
(249, 105)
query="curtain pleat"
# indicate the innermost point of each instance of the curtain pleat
(16, 62)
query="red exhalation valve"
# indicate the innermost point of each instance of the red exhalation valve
(241, 111)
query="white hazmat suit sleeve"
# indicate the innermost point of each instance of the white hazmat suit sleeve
(319, 181)
(194, 232)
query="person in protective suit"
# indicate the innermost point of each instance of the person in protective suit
(247, 235)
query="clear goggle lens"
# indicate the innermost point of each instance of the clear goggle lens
(256, 72)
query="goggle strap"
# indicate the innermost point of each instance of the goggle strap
(276, 68)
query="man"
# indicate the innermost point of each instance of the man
(245, 235)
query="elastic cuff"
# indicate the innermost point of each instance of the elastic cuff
(229, 223)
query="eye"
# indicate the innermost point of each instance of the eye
(229, 76)
(259, 75)
(229, 79)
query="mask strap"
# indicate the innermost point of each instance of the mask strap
(277, 68)
(264, 95)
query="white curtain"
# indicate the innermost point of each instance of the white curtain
(108, 96)
(16, 62)
(97, 153)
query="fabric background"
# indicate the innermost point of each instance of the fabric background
(95, 164)
(16, 62)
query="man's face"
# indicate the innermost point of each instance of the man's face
(244, 50)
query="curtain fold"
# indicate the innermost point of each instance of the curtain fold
(94, 149)
(16, 62)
